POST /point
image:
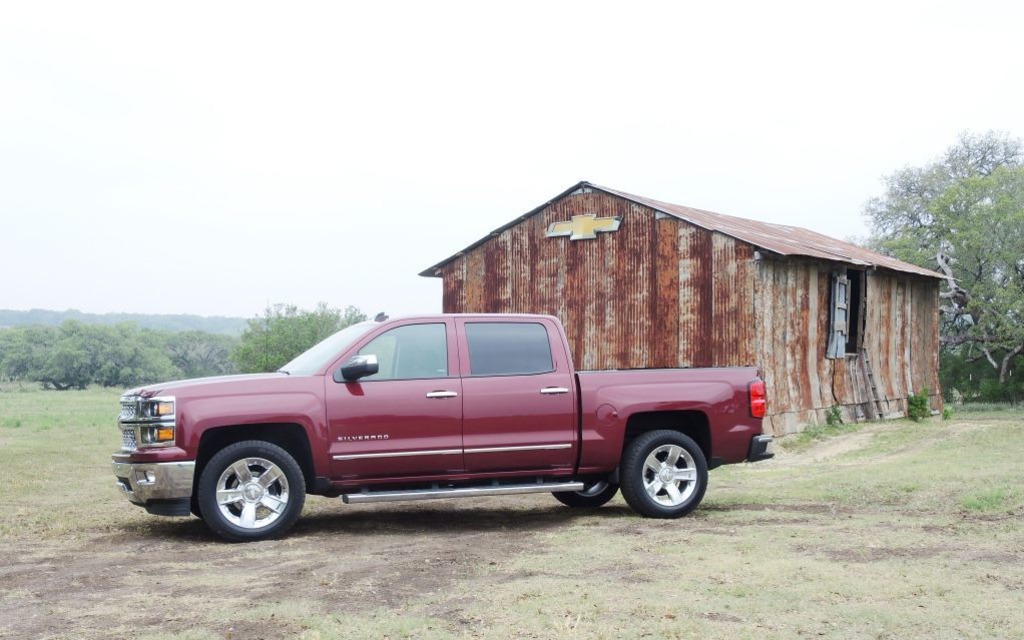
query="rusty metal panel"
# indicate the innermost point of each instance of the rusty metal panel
(475, 274)
(666, 298)
(800, 337)
(775, 331)
(695, 297)
(732, 309)
(453, 298)
(793, 331)
(814, 337)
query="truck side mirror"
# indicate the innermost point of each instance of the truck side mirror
(357, 367)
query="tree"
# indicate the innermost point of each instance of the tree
(76, 355)
(963, 215)
(284, 331)
(198, 353)
(24, 351)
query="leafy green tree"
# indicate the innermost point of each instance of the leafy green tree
(285, 331)
(25, 350)
(76, 355)
(963, 215)
(199, 353)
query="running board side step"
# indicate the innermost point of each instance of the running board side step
(437, 492)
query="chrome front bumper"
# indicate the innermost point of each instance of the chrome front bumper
(142, 483)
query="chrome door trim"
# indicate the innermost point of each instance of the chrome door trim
(398, 454)
(537, 447)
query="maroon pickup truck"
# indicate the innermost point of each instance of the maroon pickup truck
(433, 407)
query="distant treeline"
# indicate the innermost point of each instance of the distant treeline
(75, 354)
(174, 323)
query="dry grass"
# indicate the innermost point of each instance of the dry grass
(896, 530)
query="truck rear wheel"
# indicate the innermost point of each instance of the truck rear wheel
(251, 490)
(664, 474)
(593, 496)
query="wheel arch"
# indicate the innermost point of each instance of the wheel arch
(289, 436)
(689, 422)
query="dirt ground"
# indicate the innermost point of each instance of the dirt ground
(129, 579)
(896, 530)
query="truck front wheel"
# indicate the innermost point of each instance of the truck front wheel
(664, 474)
(251, 490)
(592, 496)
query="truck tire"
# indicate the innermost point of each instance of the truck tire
(664, 474)
(251, 490)
(593, 496)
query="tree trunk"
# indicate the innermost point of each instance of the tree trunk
(1007, 359)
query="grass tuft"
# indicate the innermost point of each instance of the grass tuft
(988, 500)
(815, 433)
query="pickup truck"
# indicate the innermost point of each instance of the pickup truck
(433, 407)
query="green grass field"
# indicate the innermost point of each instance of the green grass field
(889, 530)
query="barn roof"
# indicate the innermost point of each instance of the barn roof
(777, 238)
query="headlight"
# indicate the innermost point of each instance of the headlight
(156, 434)
(156, 422)
(158, 409)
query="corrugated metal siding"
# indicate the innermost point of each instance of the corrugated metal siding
(605, 291)
(696, 300)
(666, 292)
(661, 292)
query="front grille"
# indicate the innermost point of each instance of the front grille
(129, 408)
(128, 439)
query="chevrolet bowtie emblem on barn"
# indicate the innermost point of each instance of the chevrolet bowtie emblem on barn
(584, 227)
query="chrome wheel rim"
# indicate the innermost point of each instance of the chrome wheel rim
(252, 493)
(593, 490)
(670, 475)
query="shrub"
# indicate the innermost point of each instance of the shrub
(917, 405)
(834, 416)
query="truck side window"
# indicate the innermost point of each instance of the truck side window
(410, 352)
(508, 348)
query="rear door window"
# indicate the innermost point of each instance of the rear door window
(508, 348)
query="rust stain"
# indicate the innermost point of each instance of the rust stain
(666, 299)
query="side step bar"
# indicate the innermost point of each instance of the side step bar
(436, 493)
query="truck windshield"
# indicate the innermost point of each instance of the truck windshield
(310, 361)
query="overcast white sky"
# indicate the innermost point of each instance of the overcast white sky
(210, 158)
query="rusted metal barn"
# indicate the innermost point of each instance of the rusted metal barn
(641, 283)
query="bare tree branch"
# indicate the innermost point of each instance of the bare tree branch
(955, 341)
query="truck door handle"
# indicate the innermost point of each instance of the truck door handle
(551, 391)
(442, 394)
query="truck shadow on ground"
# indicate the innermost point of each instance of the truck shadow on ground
(393, 519)
(448, 519)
